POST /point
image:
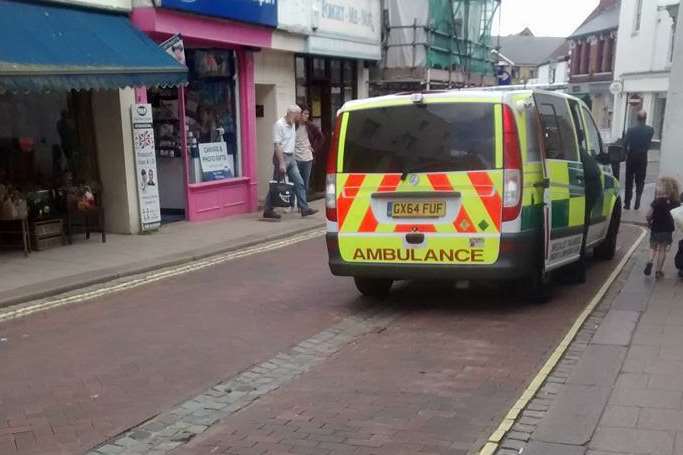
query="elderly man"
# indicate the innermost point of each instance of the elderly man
(636, 145)
(284, 140)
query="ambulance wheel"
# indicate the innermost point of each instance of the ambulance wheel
(608, 248)
(373, 287)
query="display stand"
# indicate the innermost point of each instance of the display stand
(47, 233)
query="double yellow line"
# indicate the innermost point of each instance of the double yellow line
(43, 305)
(509, 420)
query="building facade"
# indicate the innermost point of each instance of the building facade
(206, 131)
(555, 69)
(644, 58)
(592, 56)
(671, 160)
(65, 105)
(522, 54)
(435, 44)
(319, 57)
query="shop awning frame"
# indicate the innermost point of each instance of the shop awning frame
(49, 47)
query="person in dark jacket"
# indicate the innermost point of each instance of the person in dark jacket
(636, 145)
(662, 226)
(309, 143)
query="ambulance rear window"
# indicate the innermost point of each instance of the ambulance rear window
(421, 138)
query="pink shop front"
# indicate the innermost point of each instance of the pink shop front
(205, 132)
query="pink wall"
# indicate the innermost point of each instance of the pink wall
(220, 198)
(162, 23)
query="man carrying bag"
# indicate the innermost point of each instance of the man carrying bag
(284, 140)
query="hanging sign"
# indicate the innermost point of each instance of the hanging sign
(146, 167)
(215, 161)
(175, 48)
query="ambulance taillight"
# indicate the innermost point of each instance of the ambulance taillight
(331, 177)
(513, 169)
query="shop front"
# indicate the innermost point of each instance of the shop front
(65, 78)
(205, 131)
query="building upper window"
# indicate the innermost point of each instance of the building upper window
(639, 16)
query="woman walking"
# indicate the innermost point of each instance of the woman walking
(309, 141)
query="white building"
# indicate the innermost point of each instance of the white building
(643, 62)
(671, 163)
(555, 68)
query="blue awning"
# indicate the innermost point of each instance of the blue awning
(44, 47)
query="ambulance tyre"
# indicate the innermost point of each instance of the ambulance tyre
(608, 248)
(377, 288)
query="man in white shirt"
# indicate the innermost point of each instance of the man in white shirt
(284, 140)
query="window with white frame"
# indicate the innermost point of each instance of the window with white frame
(639, 16)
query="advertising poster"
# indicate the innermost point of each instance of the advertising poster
(175, 48)
(215, 162)
(146, 167)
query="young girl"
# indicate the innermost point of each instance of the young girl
(661, 223)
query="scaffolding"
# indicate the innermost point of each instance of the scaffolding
(436, 43)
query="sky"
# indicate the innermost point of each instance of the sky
(543, 17)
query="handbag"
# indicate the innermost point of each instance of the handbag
(678, 260)
(281, 193)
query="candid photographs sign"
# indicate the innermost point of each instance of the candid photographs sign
(262, 12)
(215, 161)
(146, 167)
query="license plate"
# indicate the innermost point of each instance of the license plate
(416, 209)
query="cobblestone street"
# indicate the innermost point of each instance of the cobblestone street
(301, 364)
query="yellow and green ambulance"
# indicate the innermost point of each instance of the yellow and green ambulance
(468, 185)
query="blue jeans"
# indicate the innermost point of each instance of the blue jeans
(295, 178)
(305, 168)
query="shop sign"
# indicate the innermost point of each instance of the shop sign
(262, 12)
(355, 20)
(215, 162)
(146, 166)
(116, 5)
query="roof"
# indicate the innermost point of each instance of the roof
(559, 54)
(53, 47)
(605, 20)
(528, 50)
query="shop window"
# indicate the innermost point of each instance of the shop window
(638, 16)
(212, 116)
(319, 68)
(349, 72)
(47, 154)
(336, 72)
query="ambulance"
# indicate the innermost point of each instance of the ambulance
(495, 185)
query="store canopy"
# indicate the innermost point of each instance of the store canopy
(46, 47)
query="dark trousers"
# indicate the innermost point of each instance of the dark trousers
(635, 171)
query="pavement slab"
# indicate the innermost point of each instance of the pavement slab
(574, 416)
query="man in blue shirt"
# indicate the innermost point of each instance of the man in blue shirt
(636, 145)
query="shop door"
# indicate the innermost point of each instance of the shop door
(321, 111)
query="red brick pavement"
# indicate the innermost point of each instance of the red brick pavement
(78, 375)
(436, 381)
